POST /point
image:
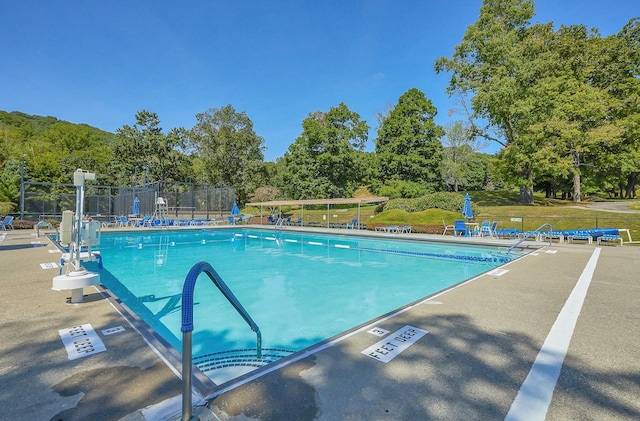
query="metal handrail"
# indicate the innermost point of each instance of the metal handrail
(536, 231)
(187, 325)
(279, 223)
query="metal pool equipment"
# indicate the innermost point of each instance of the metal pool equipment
(78, 233)
(187, 325)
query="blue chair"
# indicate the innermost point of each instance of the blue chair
(494, 227)
(485, 229)
(459, 228)
(7, 223)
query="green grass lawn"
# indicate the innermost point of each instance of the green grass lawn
(501, 206)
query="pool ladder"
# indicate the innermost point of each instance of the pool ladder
(187, 326)
(535, 232)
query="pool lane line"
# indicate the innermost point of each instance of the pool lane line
(535, 394)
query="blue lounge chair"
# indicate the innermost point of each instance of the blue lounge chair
(573, 235)
(7, 223)
(494, 227)
(507, 233)
(459, 228)
(610, 234)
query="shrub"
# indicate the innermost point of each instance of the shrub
(19, 224)
(395, 189)
(6, 207)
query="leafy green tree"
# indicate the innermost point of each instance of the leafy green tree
(79, 146)
(408, 145)
(10, 182)
(490, 64)
(577, 118)
(231, 150)
(457, 153)
(147, 154)
(536, 87)
(322, 161)
(619, 74)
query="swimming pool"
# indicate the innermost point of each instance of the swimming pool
(300, 288)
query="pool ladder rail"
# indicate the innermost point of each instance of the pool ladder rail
(537, 233)
(187, 326)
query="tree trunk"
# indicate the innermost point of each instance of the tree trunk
(630, 190)
(577, 195)
(526, 191)
(526, 195)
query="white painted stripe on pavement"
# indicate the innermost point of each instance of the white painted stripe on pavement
(533, 398)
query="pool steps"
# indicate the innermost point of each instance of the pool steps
(208, 363)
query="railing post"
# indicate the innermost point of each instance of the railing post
(186, 376)
(187, 326)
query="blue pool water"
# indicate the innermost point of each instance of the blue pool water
(300, 288)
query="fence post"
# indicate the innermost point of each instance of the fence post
(193, 202)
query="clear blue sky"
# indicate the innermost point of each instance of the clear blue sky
(99, 62)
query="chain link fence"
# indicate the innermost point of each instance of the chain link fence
(185, 200)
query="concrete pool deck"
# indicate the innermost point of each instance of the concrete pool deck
(483, 338)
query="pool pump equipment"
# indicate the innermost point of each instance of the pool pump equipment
(79, 235)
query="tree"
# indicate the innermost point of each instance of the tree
(10, 182)
(619, 74)
(577, 117)
(457, 154)
(144, 150)
(322, 161)
(537, 87)
(491, 64)
(231, 150)
(408, 145)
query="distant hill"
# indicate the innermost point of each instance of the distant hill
(34, 124)
(53, 148)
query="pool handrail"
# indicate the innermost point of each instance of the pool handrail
(529, 234)
(187, 325)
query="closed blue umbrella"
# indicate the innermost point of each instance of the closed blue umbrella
(235, 210)
(467, 212)
(136, 206)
